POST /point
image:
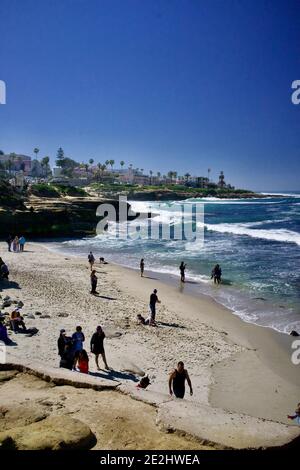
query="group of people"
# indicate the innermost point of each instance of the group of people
(4, 271)
(72, 354)
(16, 244)
(216, 273)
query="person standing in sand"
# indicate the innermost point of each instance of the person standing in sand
(16, 244)
(9, 241)
(91, 260)
(142, 267)
(94, 281)
(97, 346)
(153, 301)
(177, 381)
(22, 242)
(182, 271)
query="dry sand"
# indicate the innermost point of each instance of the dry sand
(239, 368)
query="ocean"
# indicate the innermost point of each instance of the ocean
(256, 242)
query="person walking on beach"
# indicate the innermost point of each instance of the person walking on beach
(177, 381)
(153, 301)
(94, 282)
(142, 267)
(22, 242)
(16, 244)
(9, 241)
(182, 271)
(216, 274)
(91, 260)
(97, 346)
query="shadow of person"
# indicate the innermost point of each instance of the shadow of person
(115, 375)
(171, 325)
(4, 284)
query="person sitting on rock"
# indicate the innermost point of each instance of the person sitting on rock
(17, 321)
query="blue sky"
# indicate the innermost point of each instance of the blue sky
(163, 84)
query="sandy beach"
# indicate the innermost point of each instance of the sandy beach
(243, 378)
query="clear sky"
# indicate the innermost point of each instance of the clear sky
(165, 85)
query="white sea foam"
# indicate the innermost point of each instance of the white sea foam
(280, 235)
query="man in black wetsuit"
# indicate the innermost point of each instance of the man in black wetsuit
(177, 381)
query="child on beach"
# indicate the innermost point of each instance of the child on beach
(16, 320)
(296, 416)
(97, 346)
(91, 260)
(83, 362)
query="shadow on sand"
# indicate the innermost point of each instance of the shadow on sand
(171, 325)
(9, 285)
(115, 375)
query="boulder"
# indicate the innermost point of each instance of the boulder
(52, 433)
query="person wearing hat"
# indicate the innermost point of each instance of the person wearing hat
(97, 346)
(61, 342)
(153, 301)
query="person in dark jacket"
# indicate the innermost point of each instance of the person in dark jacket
(67, 358)
(94, 281)
(97, 346)
(61, 342)
(9, 241)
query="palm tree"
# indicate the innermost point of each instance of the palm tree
(111, 162)
(151, 173)
(107, 162)
(91, 161)
(36, 151)
(44, 164)
(122, 163)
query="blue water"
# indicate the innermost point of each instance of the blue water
(256, 242)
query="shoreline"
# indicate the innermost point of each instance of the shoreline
(189, 288)
(236, 367)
